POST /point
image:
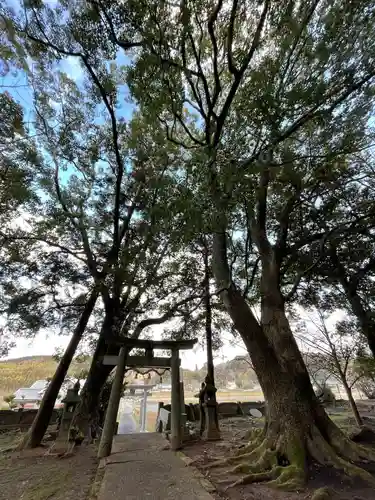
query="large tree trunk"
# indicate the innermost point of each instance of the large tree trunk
(87, 413)
(86, 417)
(297, 427)
(40, 424)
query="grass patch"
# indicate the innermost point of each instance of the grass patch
(221, 396)
(46, 489)
(9, 441)
(16, 373)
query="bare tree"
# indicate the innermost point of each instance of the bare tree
(332, 354)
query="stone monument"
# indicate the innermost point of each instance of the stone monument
(70, 401)
(210, 409)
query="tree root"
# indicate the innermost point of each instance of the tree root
(266, 460)
(326, 454)
(280, 460)
(249, 447)
(258, 477)
(290, 478)
(345, 447)
(248, 453)
(254, 434)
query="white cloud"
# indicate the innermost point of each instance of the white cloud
(73, 68)
(43, 344)
(46, 344)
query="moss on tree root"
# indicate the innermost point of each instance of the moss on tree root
(280, 460)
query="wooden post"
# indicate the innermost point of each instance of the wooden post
(105, 446)
(176, 438)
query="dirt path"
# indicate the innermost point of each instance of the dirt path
(31, 475)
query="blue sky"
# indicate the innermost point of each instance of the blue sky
(46, 343)
(15, 82)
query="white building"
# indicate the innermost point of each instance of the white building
(40, 384)
(163, 387)
(30, 397)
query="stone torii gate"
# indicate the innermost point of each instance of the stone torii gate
(123, 361)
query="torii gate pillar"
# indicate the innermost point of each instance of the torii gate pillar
(176, 420)
(105, 446)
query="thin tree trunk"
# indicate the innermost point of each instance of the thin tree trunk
(366, 323)
(344, 382)
(364, 318)
(212, 419)
(40, 424)
(352, 403)
(207, 301)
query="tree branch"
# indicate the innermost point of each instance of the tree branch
(211, 21)
(101, 9)
(116, 217)
(303, 25)
(165, 317)
(311, 114)
(238, 77)
(355, 280)
(280, 245)
(231, 64)
(301, 275)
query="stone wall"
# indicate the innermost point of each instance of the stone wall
(22, 418)
(232, 409)
(226, 410)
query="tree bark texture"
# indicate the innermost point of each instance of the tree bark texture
(212, 417)
(40, 424)
(86, 417)
(297, 426)
(208, 326)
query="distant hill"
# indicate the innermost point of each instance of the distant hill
(22, 372)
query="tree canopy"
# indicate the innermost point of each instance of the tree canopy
(246, 125)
